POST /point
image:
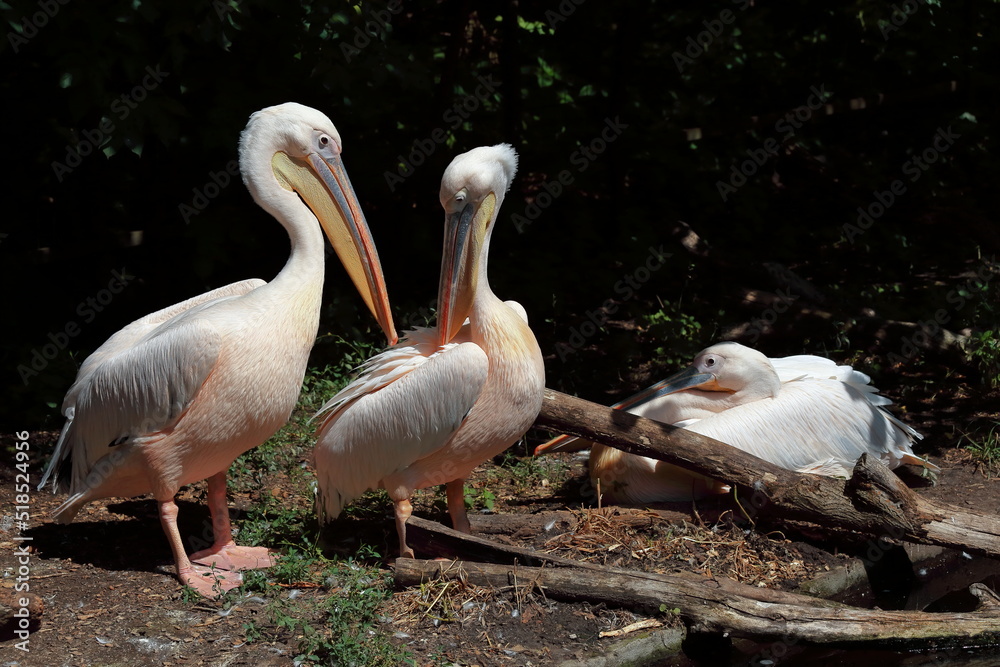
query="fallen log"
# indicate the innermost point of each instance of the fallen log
(430, 537)
(710, 607)
(874, 501)
(522, 524)
(561, 521)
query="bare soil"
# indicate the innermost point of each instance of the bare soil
(110, 598)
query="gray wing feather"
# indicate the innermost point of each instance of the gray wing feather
(138, 382)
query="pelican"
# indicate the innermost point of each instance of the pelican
(176, 396)
(432, 408)
(803, 413)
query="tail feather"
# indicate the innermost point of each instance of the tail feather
(328, 506)
(914, 460)
(61, 459)
(910, 432)
(66, 512)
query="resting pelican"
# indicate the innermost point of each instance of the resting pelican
(177, 395)
(803, 413)
(432, 408)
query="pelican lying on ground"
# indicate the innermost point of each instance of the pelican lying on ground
(176, 396)
(444, 400)
(803, 413)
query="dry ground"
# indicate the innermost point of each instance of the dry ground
(110, 599)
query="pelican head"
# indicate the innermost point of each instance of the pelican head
(724, 367)
(472, 189)
(290, 154)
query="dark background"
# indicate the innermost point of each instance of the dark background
(770, 265)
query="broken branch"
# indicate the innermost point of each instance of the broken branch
(874, 501)
(708, 606)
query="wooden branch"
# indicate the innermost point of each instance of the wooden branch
(563, 521)
(709, 607)
(523, 524)
(874, 501)
(432, 538)
(429, 537)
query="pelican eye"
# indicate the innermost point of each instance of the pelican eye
(324, 140)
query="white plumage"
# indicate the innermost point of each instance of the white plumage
(176, 396)
(431, 409)
(803, 413)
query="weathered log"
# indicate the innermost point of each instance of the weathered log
(523, 524)
(710, 607)
(561, 521)
(432, 538)
(874, 501)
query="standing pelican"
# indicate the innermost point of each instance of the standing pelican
(176, 396)
(803, 413)
(444, 400)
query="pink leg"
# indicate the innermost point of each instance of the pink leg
(206, 581)
(455, 491)
(224, 553)
(403, 511)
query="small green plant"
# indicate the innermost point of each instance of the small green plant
(678, 334)
(983, 349)
(319, 385)
(374, 504)
(342, 625)
(190, 595)
(988, 448)
(527, 472)
(251, 632)
(479, 498)
(337, 620)
(333, 617)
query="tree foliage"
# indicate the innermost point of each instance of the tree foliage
(121, 119)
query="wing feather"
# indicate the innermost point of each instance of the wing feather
(134, 332)
(138, 382)
(808, 366)
(402, 410)
(814, 421)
